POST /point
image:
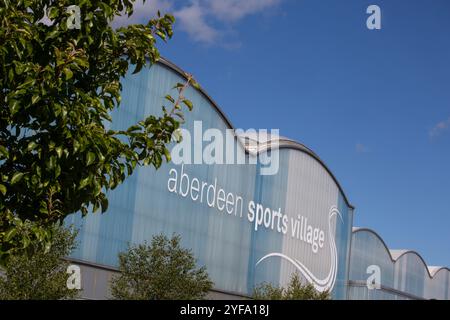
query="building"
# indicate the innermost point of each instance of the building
(244, 226)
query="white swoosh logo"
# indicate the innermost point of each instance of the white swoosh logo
(327, 283)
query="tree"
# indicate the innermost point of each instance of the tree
(39, 273)
(295, 290)
(59, 84)
(162, 270)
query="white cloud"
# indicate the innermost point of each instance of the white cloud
(360, 148)
(204, 21)
(439, 128)
(192, 19)
(196, 18)
(143, 12)
(232, 10)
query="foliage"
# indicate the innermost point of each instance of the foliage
(58, 87)
(39, 273)
(162, 270)
(294, 290)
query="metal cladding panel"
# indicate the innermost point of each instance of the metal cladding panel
(311, 195)
(310, 191)
(368, 249)
(404, 274)
(410, 274)
(438, 286)
(237, 252)
(343, 243)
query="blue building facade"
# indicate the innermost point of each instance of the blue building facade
(245, 227)
(404, 273)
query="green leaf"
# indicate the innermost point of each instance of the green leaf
(4, 151)
(57, 171)
(68, 73)
(26, 242)
(104, 204)
(14, 107)
(90, 158)
(53, 13)
(189, 104)
(35, 99)
(2, 189)
(16, 177)
(161, 35)
(10, 234)
(138, 68)
(59, 151)
(178, 86)
(169, 97)
(167, 154)
(51, 163)
(83, 183)
(48, 246)
(32, 145)
(180, 115)
(195, 85)
(52, 34)
(134, 128)
(82, 62)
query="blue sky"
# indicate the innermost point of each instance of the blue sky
(373, 104)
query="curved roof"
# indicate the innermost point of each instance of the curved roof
(395, 255)
(281, 141)
(435, 269)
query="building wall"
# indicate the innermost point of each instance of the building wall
(227, 244)
(237, 255)
(404, 274)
